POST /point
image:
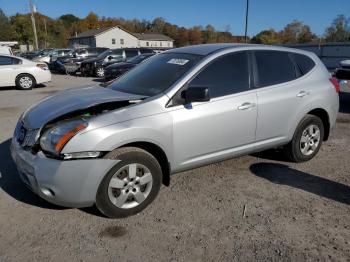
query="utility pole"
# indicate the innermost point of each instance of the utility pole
(45, 32)
(33, 10)
(246, 21)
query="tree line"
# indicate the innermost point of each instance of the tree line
(56, 32)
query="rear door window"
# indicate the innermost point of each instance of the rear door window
(227, 75)
(305, 64)
(274, 67)
(5, 60)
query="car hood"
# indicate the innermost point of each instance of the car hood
(68, 101)
(119, 65)
(92, 60)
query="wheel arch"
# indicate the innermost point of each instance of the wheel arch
(158, 153)
(21, 74)
(324, 116)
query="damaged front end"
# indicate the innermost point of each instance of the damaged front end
(49, 125)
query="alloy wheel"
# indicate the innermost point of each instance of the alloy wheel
(25, 82)
(310, 140)
(130, 186)
(100, 72)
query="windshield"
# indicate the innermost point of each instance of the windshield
(156, 74)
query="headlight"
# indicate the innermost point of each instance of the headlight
(54, 139)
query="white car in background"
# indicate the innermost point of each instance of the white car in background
(22, 73)
(5, 50)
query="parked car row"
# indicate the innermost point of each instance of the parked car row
(94, 61)
(73, 59)
(25, 74)
(96, 66)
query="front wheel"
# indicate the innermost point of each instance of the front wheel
(100, 72)
(131, 185)
(307, 139)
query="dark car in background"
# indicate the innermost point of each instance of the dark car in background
(75, 57)
(96, 66)
(118, 69)
(343, 72)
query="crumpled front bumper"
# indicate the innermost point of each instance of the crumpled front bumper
(69, 183)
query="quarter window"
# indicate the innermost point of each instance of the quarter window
(16, 61)
(227, 75)
(274, 67)
(305, 64)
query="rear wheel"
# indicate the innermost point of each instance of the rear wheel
(131, 185)
(25, 82)
(307, 139)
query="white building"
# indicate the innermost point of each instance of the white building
(117, 37)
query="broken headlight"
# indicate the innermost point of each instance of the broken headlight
(54, 139)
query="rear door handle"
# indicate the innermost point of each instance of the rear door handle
(246, 106)
(303, 93)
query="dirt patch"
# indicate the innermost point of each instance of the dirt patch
(48, 92)
(113, 232)
(9, 110)
(343, 120)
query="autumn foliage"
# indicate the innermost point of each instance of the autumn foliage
(58, 31)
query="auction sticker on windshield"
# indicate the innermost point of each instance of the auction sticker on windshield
(177, 61)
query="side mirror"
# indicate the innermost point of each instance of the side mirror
(110, 57)
(195, 94)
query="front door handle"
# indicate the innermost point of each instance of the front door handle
(246, 106)
(303, 93)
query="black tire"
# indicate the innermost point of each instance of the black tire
(128, 155)
(99, 72)
(20, 82)
(293, 149)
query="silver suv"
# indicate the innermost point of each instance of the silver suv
(181, 109)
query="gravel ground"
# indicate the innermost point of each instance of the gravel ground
(249, 208)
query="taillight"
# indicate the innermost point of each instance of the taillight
(335, 83)
(43, 66)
